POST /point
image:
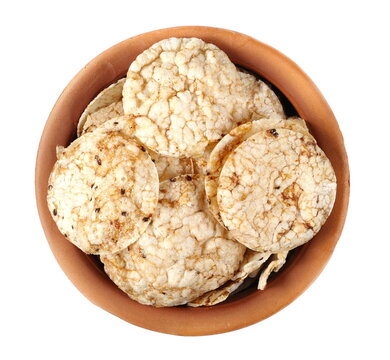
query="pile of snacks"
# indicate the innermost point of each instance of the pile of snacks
(187, 179)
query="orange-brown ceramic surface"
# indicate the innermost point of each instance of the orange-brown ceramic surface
(245, 309)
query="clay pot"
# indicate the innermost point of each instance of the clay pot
(250, 306)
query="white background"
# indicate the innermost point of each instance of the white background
(344, 48)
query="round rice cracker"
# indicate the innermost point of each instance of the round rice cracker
(186, 93)
(167, 167)
(276, 190)
(103, 190)
(277, 262)
(228, 143)
(183, 253)
(106, 103)
(251, 262)
(258, 99)
(97, 118)
(250, 267)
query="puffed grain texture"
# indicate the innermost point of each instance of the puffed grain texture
(167, 167)
(187, 93)
(97, 118)
(110, 95)
(200, 162)
(251, 262)
(228, 143)
(183, 253)
(276, 190)
(257, 98)
(277, 261)
(103, 189)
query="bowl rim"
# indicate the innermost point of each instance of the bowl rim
(251, 308)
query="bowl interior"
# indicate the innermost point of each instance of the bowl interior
(299, 96)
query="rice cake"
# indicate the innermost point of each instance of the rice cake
(103, 190)
(250, 267)
(277, 261)
(97, 118)
(110, 95)
(228, 143)
(167, 167)
(252, 262)
(257, 98)
(276, 190)
(183, 253)
(186, 93)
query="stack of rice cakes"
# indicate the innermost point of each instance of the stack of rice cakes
(188, 180)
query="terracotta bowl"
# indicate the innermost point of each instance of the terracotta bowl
(250, 306)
